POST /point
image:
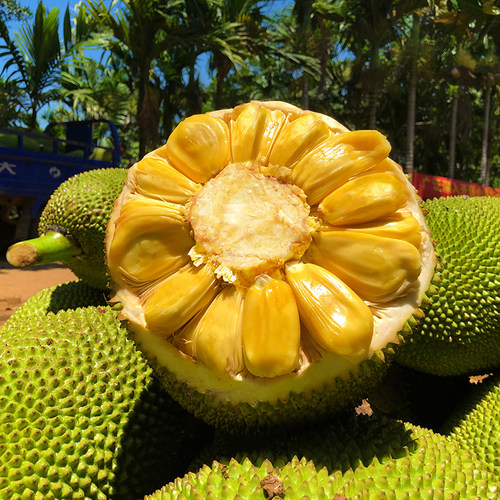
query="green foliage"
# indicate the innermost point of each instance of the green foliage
(13, 10)
(158, 62)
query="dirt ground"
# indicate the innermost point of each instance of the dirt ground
(17, 285)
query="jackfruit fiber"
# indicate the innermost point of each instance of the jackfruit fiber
(355, 456)
(460, 330)
(80, 208)
(309, 230)
(80, 414)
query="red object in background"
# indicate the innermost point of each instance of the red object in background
(431, 186)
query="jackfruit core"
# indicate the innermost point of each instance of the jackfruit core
(267, 243)
(246, 224)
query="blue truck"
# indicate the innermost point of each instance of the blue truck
(32, 166)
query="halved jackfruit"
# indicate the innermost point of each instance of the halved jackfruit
(308, 255)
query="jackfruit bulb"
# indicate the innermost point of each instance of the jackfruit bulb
(267, 259)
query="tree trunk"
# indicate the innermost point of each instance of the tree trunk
(325, 54)
(373, 92)
(33, 118)
(412, 96)
(486, 128)
(223, 66)
(140, 116)
(453, 138)
(305, 91)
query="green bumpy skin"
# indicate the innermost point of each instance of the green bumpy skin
(476, 424)
(81, 206)
(81, 415)
(70, 295)
(357, 457)
(460, 333)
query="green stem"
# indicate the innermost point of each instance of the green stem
(53, 246)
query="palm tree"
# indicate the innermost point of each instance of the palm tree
(139, 32)
(368, 26)
(475, 29)
(12, 9)
(34, 58)
(92, 90)
(229, 30)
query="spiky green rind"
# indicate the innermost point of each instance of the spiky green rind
(246, 481)
(434, 468)
(346, 440)
(80, 414)
(82, 206)
(297, 409)
(71, 295)
(460, 333)
(475, 424)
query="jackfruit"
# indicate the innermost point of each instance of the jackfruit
(73, 224)
(356, 456)
(328, 285)
(80, 414)
(475, 423)
(66, 296)
(460, 330)
(417, 397)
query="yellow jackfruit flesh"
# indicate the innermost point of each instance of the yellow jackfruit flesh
(271, 328)
(338, 320)
(297, 139)
(364, 199)
(151, 240)
(401, 226)
(213, 336)
(178, 298)
(341, 157)
(377, 268)
(154, 177)
(263, 254)
(199, 147)
(253, 133)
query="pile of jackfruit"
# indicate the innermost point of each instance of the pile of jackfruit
(265, 309)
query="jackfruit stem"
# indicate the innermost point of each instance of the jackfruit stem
(53, 246)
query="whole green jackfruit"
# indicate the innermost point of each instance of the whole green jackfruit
(460, 330)
(70, 295)
(81, 206)
(475, 424)
(81, 415)
(353, 457)
(73, 224)
(417, 397)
